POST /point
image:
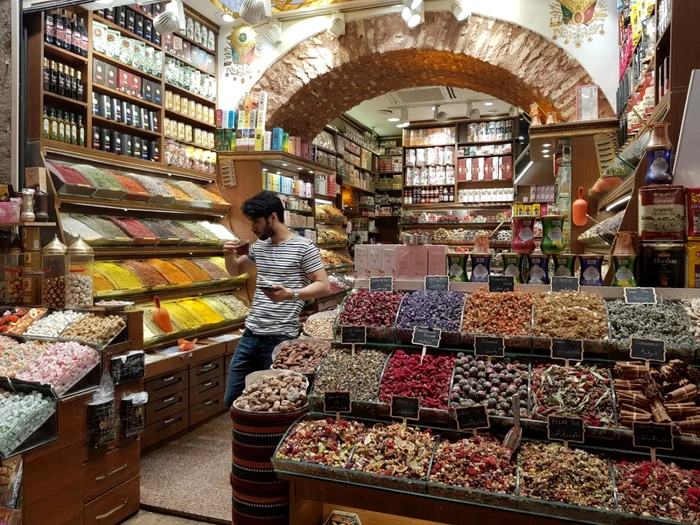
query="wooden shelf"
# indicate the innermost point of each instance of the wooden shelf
(486, 156)
(429, 146)
(187, 63)
(277, 159)
(664, 36)
(176, 292)
(124, 204)
(126, 67)
(346, 185)
(458, 205)
(619, 191)
(332, 245)
(127, 252)
(174, 115)
(51, 50)
(508, 182)
(486, 143)
(193, 144)
(187, 93)
(65, 100)
(201, 333)
(325, 197)
(113, 124)
(380, 173)
(437, 225)
(27, 224)
(429, 186)
(339, 268)
(335, 153)
(126, 32)
(120, 94)
(194, 43)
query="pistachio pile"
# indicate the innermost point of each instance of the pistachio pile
(282, 392)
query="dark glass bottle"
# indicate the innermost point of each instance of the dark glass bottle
(61, 81)
(83, 38)
(47, 75)
(49, 28)
(53, 87)
(75, 35)
(73, 84)
(67, 31)
(79, 88)
(58, 25)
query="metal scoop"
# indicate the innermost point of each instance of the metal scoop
(512, 439)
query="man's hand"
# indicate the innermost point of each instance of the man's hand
(279, 293)
(231, 248)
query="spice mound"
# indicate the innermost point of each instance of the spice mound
(477, 382)
(508, 313)
(481, 463)
(692, 308)
(370, 308)
(658, 490)
(283, 392)
(359, 374)
(320, 327)
(300, 355)
(570, 315)
(324, 442)
(576, 391)
(430, 309)
(552, 472)
(394, 450)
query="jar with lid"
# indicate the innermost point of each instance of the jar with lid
(14, 268)
(53, 262)
(41, 205)
(27, 206)
(81, 258)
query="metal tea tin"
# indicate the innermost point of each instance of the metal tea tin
(662, 264)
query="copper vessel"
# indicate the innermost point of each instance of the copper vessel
(481, 244)
(659, 138)
(625, 244)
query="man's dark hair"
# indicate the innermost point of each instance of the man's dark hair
(263, 205)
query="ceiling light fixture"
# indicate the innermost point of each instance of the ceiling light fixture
(393, 119)
(488, 103)
(461, 10)
(227, 18)
(441, 117)
(416, 16)
(274, 32)
(172, 19)
(546, 156)
(545, 151)
(252, 11)
(406, 13)
(337, 25)
(546, 145)
(475, 113)
(618, 202)
(529, 165)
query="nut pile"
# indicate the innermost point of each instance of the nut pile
(320, 327)
(658, 490)
(53, 324)
(324, 442)
(20, 415)
(370, 308)
(300, 355)
(282, 392)
(508, 313)
(394, 450)
(476, 382)
(442, 310)
(429, 381)
(480, 463)
(577, 391)
(340, 371)
(666, 320)
(54, 291)
(570, 315)
(95, 328)
(78, 291)
(551, 472)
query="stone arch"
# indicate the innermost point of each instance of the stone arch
(323, 77)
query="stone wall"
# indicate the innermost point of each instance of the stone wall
(323, 77)
(5, 90)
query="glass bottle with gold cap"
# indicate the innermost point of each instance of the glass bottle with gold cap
(81, 259)
(54, 264)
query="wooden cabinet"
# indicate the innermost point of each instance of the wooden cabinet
(110, 470)
(114, 506)
(165, 428)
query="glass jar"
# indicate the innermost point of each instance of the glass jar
(81, 258)
(41, 206)
(14, 268)
(27, 205)
(31, 287)
(54, 264)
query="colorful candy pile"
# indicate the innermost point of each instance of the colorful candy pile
(20, 415)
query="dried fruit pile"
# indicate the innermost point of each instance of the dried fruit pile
(370, 309)
(508, 313)
(442, 310)
(325, 442)
(282, 392)
(300, 355)
(570, 315)
(429, 381)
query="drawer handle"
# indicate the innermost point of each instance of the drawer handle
(186, 355)
(207, 367)
(207, 403)
(105, 476)
(168, 399)
(207, 384)
(168, 421)
(168, 379)
(115, 509)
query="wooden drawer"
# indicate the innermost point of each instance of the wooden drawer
(227, 363)
(166, 407)
(206, 371)
(167, 385)
(106, 472)
(165, 428)
(114, 506)
(206, 408)
(204, 391)
(211, 351)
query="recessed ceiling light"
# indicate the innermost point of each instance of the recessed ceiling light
(432, 109)
(284, 165)
(264, 169)
(311, 172)
(546, 156)
(488, 103)
(546, 145)
(300, 169)
(227, 18)
(393, 119)
(545, 151)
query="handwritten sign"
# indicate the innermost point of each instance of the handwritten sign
(472, 418)
(561, 428)
(487, 346)
(405, 408)
(648, 349)
(639, 295)
(567, 349)
(426, 336)
(381, 284)
(652, 435)
(337, 402)
(353, 335)
(565, 284)
(501, 283)
(437, 283)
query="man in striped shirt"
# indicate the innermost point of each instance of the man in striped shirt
(290, 272)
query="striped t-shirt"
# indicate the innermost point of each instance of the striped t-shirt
(286, 263)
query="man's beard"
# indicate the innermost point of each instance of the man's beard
(267, 233)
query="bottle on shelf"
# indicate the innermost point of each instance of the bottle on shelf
(80, 89)
(46, 124)
(47, 75)
(61, 81)
(58, 25)
(73, 130)
(67, 31)
(83, 37)
(53, 122)
(49, 29)
(75, 35)
(61, 127)
(73, 84)
(54, 78)
(81, 131)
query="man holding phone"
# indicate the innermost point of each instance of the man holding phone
(290, 272)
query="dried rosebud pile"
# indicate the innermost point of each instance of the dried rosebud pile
(577, 391)
(658, 490)
(365, 308)
(394, 450)
(570, 315)
(326, 442)
(481, 463)
(429, 381)
(359, 374)
(300, 355)
(442, 310)
(508, 313)
(551, 472)
(477, 382)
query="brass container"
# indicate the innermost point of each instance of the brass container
(659, 138)
(625, 244)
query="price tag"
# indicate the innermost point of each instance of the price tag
(561, 428)
(437, 283)
(565, 284)
(405, 408)
(566, 349)
(381, 284)
(634, 295)
(489, 346)
(353, 335)
(472, 418)
(426, 336)
(648, 349)
(652, 436)
(501, 283)
(338, 402)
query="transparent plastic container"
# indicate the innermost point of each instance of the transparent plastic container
(54, 263)
(79, 283)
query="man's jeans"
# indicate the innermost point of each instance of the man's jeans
(254, 352)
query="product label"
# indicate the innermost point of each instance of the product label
(565, 284)
(652, 435)
(353, 335)
(337, 402)
(426, 337)
(640, 295)
(567, 349)
(560, 428)
(472, 418)
(648, 349)
(405, 407)
(501, 283)
(437, 283)
(662, 219)
(381, 284)
(489, 346)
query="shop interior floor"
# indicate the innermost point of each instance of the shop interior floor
(151, 518)
(190, 475)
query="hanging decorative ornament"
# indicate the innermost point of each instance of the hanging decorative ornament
(535, 114)
(252, 11)
(166, 23)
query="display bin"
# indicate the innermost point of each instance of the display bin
(320, 315)
(66, 188)
(131, 194)
(43, 431)
(522, 342)
(375, 334)
(309, 376)
(405, 335)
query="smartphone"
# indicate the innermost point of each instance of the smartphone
(264, 285)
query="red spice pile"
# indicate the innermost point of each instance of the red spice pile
(429, 381)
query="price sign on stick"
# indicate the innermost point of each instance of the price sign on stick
(561, 428)
(426, 337)
(566, 349)
(437, 283)
(652, 436)
(501, 283)
(472, 418)
(565, 284)
(381, 284)
(405, 408)
(640, 295)
(648, 350)
(353, 335)
(338, 402)
(486, 346)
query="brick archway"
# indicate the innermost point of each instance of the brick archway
(323, 77)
